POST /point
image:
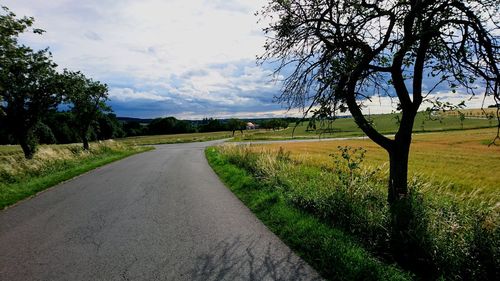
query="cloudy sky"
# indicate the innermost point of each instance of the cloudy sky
(184, 58)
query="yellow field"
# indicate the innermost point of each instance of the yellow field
(460, 160)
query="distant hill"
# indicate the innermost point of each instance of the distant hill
(131, 119)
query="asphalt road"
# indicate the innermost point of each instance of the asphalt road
(159, 215)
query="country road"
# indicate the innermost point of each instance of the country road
(159, 215)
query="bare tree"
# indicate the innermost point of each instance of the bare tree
(339, 53)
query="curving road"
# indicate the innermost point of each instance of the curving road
(159, 215)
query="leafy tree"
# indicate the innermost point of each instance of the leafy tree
(211, 125)
(234, 125)
(28, 81)
(86, 98)
(133, 128)
(338, 53)
(108, 127)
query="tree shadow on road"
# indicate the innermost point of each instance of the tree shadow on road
(240, 259)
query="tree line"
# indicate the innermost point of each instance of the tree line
(32, 90)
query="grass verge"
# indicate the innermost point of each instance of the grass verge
(449, 236)
(21, 178)
(329, 250)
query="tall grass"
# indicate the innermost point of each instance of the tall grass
(451, 236)
(20, 178)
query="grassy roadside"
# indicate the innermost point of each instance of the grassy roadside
(329, 250)
(20, 178)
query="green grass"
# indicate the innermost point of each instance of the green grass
(384, 123)
(332, 252)
(452, 235)
(176, 138)
(21, 178)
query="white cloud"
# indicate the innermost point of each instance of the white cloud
(127, 94)
(196, 54)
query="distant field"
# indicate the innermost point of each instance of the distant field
(476, 112)
(178, 138)
(459, 160)
(384, 123)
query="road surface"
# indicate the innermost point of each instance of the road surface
(159, 215)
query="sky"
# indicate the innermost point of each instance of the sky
(185, 58)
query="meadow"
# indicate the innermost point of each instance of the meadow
(457, 161)
(453, 205)
(384, 123)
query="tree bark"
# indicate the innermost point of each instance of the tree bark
(85, 141)
(398, 171)
(28, 149)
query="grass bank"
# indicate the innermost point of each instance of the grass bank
(330, 250)
(451, 236)
(21, 178)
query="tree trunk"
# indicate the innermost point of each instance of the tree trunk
(28, 147)
(398, 171)
(28, 142)
(85, 141)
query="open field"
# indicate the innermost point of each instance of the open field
(384, 123)
(461, 161)
(176, 138)
(52, 164)
(453, 202)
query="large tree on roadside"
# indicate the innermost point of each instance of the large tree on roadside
(342, 52)
(29, 84)
(338, 53)
(87, 99)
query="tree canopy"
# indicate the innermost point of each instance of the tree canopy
(29, 84)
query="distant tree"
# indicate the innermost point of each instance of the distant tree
(87, 99)
(107, 127)
(62, 126)
(160, 126)
(28, 81)
(339, 53)
(234, 125)
(461, 116)
(211, 125)
(133, 128)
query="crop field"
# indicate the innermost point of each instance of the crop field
(176, 138)
(384, 123)
(460, 161)
(454, 198)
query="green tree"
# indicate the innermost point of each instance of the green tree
(29, 84)
(341, 52)
(87, 99)
(234, 125)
